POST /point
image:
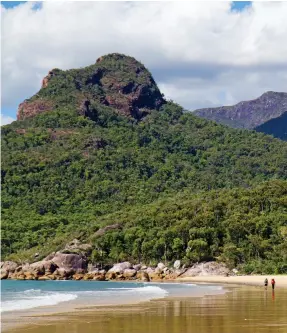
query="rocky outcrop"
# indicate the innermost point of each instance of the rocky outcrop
(66, 266)
(143, 276)
(29, 109)
(177, 264)
(102, 231)
(207, 268)
(70, 262)
(7, 268)
(115, 80)
(48, 77)
(76, 246)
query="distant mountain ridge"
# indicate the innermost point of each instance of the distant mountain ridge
(276, 127)
(248, 114)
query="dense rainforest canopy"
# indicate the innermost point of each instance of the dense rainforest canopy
(178, 186)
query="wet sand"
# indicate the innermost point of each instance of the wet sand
(241, 310)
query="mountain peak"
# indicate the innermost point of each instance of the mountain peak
(115, 80)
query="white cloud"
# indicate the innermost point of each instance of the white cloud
(6, 120)
(201, 53)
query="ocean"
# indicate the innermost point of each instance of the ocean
(24, 295)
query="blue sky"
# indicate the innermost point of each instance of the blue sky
(200, 56)
(236, 5)
(11, 4)
(240, 5)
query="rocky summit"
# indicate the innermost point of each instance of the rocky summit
(248, 114)
(115, 80)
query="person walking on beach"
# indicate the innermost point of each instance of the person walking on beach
(266, 283)
(273, 283)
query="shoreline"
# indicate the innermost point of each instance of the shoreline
(13, 320)
(246, 280)
(227, 312)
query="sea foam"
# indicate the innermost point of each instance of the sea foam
(34, 298)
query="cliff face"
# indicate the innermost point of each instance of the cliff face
(115, 80)
(248, 114)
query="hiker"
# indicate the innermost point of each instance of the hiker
(266, 283)
(273, 283)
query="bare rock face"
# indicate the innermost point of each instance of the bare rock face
(43, 267)
(207, 268)
(69, 261)
(161, 265)
(115, 80)
(248, 114)
(177, 264)
(102, 231)
(29, 109)
(143, 276)
(129, 273)
(120, 267)
(48, 78)
(4, 274)
(137, 267)
(9, 266)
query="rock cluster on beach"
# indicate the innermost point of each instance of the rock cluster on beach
(71, 263)
(74, 267)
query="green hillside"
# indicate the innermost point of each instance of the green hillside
(185, 187)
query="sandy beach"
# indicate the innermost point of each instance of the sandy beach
(243, 309)
(250, 280)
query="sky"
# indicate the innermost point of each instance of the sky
(201, 54)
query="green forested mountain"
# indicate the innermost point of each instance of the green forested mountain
(100, 146)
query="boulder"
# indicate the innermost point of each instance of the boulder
(177, 264)
(137, 267)
(9, 266)
(158, 270)
(143, 276)
(18, 269)
(44, 278)
(30, 276)
(111, 275)
(62, 273)
(120, 267)
(155, 276)
(99, 277)
(150, 270)
(70, 261)
(143, 267)
(161, 265)
(43, 267)
(129, 273)
(4, 274)
(78, 276)
(179, 272)
(50, 256)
